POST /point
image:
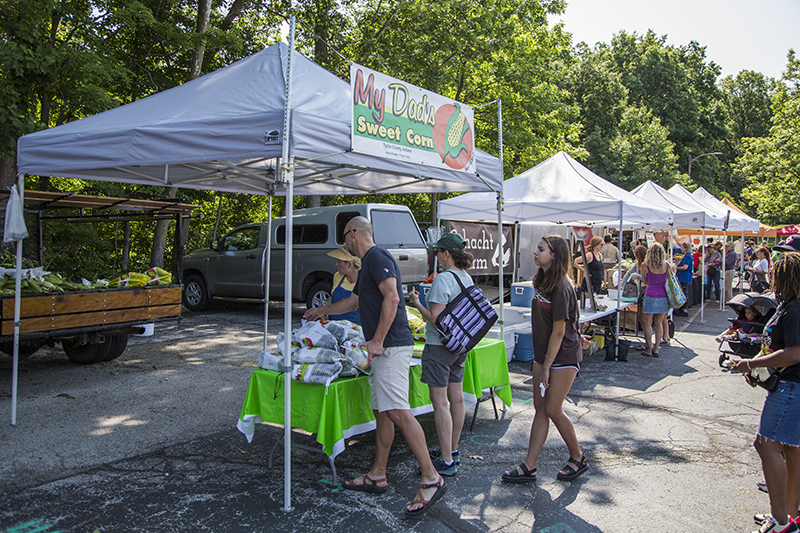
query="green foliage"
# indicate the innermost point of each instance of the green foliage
(640, 150)
(643, 72)
(772, 163)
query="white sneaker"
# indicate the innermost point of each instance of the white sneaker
(771, 526)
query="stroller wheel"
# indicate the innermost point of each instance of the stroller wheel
(722, 358)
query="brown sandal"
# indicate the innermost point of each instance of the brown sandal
(441, 488)
(367, 485)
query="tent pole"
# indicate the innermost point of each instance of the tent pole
(17, 307)
(287, 167)
(619, 279)
(266, 262)
(703, 276)
(500, 284)
(741, 267)
(724, 253)
(500, 281)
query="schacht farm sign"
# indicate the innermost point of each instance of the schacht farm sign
(397, 120)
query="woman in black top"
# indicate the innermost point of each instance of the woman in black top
(594, 261)
(557, 353)
(778, 439)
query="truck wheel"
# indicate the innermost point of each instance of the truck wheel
(319, 294)
(195, 294)
(118, 344)
(85, 354)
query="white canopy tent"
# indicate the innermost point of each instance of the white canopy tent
(736, 221)
(559, 190)
(241, 129)
(563, 191)
(708, 202)
(686, 214)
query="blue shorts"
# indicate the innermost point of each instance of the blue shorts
(781, 414)
(655, 306)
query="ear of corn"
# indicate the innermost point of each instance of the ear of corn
(454, 133)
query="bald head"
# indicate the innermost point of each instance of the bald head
(358, 236)
(360, 224)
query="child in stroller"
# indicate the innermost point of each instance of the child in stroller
(744, 336)
(743, 324)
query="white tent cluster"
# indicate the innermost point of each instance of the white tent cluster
(276, 123)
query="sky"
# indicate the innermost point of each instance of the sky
(738, 34)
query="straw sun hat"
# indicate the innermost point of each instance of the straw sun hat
(343, 255)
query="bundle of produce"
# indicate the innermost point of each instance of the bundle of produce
(319, 373)
(315, 334)
(158, 276)
(416, 323)
(312, 354)
(344, 331)
(270, 360)
(323, 343)
(131, 279)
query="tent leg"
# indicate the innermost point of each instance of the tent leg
(703, 277)
(266, 265)
(287, 164)
(17, 307)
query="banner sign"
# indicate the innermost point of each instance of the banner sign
(482, 243)
(397, 120)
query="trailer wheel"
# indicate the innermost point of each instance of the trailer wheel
(118, 343)
(26, 348)
(85, 354)
(195, 294)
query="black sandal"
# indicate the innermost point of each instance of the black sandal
(570, 472)
(527, 475)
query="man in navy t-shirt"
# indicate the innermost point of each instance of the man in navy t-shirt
(378, 296)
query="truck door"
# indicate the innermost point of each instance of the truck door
(397, 232)
(236, 268)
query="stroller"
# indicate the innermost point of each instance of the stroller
(748, 345)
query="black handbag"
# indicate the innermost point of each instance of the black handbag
(771, 383)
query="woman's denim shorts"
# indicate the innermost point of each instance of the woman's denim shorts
(780, 418)
(655, 306)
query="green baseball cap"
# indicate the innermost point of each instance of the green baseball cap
(452, 242)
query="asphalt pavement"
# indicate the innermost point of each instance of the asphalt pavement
(148, 443)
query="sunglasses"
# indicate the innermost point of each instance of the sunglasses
(347, 232)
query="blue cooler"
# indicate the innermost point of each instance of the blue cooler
(523, 346)
(424, 289)
(522, 294)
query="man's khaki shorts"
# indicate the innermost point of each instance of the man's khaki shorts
(388, 381)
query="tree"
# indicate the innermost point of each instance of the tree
(772, 163)
(641, 150)
(679, 87)
(747, 107)
(53, 69)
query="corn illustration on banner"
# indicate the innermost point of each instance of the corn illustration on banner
(397, 120)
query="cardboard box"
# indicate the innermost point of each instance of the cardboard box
(629, 321)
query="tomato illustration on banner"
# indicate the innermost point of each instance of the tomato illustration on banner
(452, 136)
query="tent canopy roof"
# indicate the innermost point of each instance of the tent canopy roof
(685, 215)
(223, 132)
(764, 230)
(560, 190)
(737, 222)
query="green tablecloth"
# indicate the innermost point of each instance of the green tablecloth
(344, 410)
